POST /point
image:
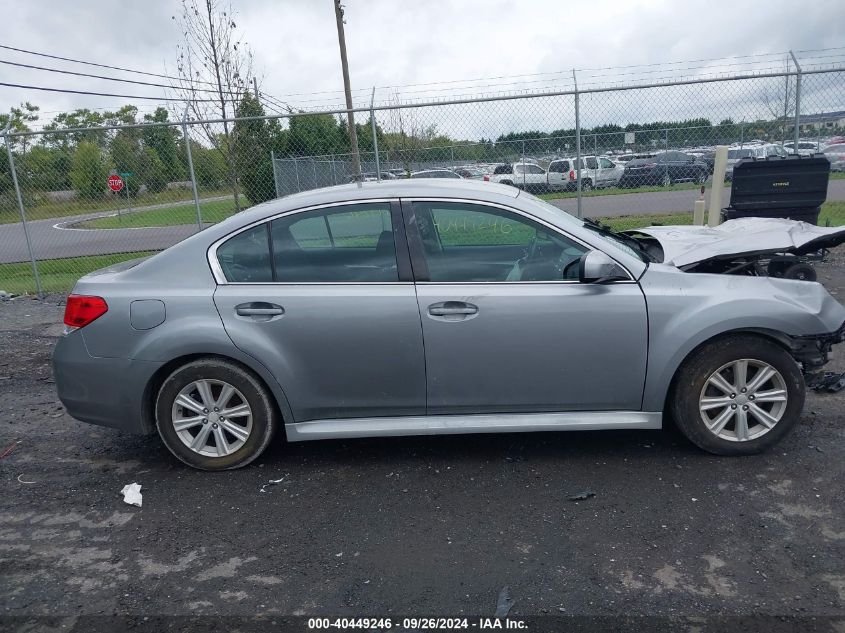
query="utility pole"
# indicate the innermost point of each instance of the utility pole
(255, 87)
(353, 135)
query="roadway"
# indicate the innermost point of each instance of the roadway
(58, 238)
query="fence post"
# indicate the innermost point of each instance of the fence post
(296, 171)
(523, 164)
(275, 176)
(35, 276)
(797, 102)
(375, 136)
(191, 168)
(580, 213)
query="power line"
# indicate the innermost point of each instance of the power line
(103, 94)
(79, 61)
(128, 81)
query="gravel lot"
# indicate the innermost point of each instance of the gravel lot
(417, 526)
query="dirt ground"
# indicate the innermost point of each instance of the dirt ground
(416, 526)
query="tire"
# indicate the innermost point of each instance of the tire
(507, 182)
(252, 431)
(665, 181)
(692, 383)
(702, 178)
(802, 271)
(586, 185)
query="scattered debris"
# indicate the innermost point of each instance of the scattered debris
(272, 482)
(132, 494)
(582, 496)
(4, 296)
(504, 604)
(829, 381)
(23, 481)
(8, 450)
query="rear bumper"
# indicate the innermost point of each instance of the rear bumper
(102, 391)
(812, 351)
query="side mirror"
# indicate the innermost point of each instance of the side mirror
(597, 267)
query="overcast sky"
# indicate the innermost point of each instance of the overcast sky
(393, 42)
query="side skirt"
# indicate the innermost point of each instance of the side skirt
(455, 424)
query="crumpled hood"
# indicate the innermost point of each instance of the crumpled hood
(684, 245)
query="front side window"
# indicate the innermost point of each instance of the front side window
(606, 164)
(466, 242)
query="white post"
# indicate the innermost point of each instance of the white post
(720, 164)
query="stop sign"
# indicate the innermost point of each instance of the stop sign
(115, 182)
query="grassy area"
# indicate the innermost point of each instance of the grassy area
(57, 275)
(832, 214)
(212, 211)
(41, 209)
(614, 191)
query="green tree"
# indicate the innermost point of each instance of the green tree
(252, 151)
(163, 141)
(88, 171)
(151, 171)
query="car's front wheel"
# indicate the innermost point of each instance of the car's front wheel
(738, 395)
(214, 415)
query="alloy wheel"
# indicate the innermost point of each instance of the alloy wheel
(743, 400)
(212, 417)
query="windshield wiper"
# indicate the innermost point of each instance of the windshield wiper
(629, 240)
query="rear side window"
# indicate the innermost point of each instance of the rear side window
(559, 167)
(592, 163)
(245, 258)
(503, 169)
(350, 243)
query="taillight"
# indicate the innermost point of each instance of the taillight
(571, 174)
(81, 310)
(486, 178)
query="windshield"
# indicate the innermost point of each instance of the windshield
(740, 153)
(625, 243)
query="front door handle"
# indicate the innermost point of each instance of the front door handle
(259, 309)
(452, 309)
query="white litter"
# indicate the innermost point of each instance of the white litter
(272, 482)
(132, 494)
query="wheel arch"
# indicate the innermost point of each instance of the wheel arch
(260, 373)
(769, 335)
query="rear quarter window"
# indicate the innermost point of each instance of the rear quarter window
(245, 258)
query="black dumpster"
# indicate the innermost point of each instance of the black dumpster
(791, 187)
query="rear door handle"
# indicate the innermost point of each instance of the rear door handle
(259, 308)
(452, 308)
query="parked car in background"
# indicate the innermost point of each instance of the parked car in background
(435, 173)
(664, 169)
(836, 155)
(805, 148)
(528, 176)
(472, 172)
(370, 176)
(760, 150)
(380, 309)
(596, 172)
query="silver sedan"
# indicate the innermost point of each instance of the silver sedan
(429, 306)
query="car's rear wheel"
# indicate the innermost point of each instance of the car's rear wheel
(702, 178)
(214, 415)
(665, 181)
(738, 395)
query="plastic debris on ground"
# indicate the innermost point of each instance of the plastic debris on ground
(272, 482)
(504, 603)
(582, 496)
(132, 494)
(829, 381)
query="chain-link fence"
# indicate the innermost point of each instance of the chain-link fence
(74, 200)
